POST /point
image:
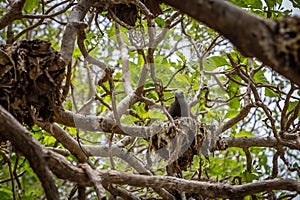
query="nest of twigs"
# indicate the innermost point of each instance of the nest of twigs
(126, 13)
(178, 144)
(31, 76)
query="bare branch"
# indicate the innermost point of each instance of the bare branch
(271, 46)
(95, 180)
(213, 190)
(15, 12)
(242, 114)
(12, 130)
(125, 62)
(75, 18)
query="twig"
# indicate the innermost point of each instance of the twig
(173, 75)
(96, 180)
(125, 62)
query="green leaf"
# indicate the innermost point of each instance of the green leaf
(271, 3)
(160, 22)
(155, 114)
(30, 5)
(249, 177)
(49, 140)
(141, 61)
(141, 112)
(95, 51)
(271, 93)
(5, 193)
(72, 131)
(181, 56)
(234, 88)
(152, 94)
(231, 114)
(292, 105)
(295, 165)
(260, 77)
(235, 104)
(214, 62)
(296, 3)
(244, 133)
(182, 80)
(254, 4)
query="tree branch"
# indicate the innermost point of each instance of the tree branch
(268, 40)
(13, 131)
(65, 170)
(15, 12)
(75, 19)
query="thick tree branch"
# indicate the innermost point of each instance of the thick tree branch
(66, 140)
(275, 43)
(74, 24)
(214, 190)
(127, 156)
(13, 131)
(125, 62)
(105, 124)
(95, 179)
(63, 169)
(15, 12)
(93, 123)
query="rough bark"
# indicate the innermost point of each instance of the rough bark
(15, 12)
(214, 190)
(74, 24)
(12, 130)
(275, 43)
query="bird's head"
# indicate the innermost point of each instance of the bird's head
(179, 94)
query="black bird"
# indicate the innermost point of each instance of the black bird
(179, 108)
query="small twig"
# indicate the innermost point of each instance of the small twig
(7, 160)
(143, 8)
(74, 99)
(125, 62)
(89, 59)
(173, 75)
(92, 89)
(103, 102)
(19, 188)
(18, 175)
(249, 159)
(43, 17)
(115, 113)
(95, 179)
(67, 85)
(275, 164)
(293, 117)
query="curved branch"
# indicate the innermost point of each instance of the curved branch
(122, 153)
(242, 114)
(15, 12)
(247, 142)
(93, 123)
(65, 170)
(268, 40)
(75, 19)
(125, 62)
(66, 140)
(13, 131)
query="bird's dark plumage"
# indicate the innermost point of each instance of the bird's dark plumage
(179, 108)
